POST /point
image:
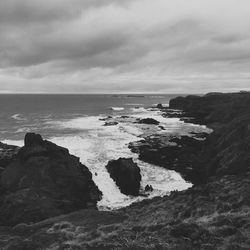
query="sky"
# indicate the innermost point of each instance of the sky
(124, 46)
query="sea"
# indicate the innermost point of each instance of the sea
(77, 123)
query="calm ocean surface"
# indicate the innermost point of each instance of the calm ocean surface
(75, 122)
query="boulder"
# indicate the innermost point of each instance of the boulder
(126, 175)
(150, 121)
(159, 106)
(43, 181)
(149, 188)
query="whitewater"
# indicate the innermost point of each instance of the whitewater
(96, 144)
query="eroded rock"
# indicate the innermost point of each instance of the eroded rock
(126, 175)
(42, 181)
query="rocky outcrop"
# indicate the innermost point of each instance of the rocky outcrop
(181, 154)
(111, 123)
(226, 150)
(212, 109)
(126, 175)
(159, 106)
(7, 153)
(149, 121)
(42, 181)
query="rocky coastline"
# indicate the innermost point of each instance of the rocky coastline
(41, 181)
(213, 214)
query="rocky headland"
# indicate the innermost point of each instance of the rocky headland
(213, 214)
(43, 180)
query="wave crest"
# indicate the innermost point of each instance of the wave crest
(18, 117)
(117, 108)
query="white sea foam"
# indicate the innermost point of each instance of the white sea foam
(96, 145)
(138, 110)
(18, 117)
(14, 142)
(83, 123)
(24, 129)
(96, 149)
(165, 105)
(117, 108)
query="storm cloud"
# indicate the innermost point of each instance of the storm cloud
(110, 46)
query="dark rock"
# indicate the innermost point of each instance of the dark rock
(202, 135)
(225, 151)
(110, 123)
(181, 154)
(42, 181)
(105, 118)
(149, 188)
(126, 174)
(159, 106)
(213, 108)
(32, 139)
(161, 127)
(7, 154)
(148, 121)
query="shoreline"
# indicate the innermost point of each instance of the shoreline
(213, 214)
(108, 129)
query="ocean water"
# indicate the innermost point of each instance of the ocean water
(76, 122)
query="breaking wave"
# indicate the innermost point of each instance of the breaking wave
(18, 117)
(117, 108)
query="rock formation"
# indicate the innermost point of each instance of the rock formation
(159, 106)
(7, 153)
(126, 175)
(42, 181)
(226, 150)
(111, 123)
(148, 121)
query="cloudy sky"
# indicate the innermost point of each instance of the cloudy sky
(104, 46)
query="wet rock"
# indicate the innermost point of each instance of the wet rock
(126, 175)
(42, 181)
(105, 118)
(181, 154)
(113, 123)
(161, 127)
(149, 121)
(149, 188)
(159, 106)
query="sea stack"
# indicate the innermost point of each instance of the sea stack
(126, 175)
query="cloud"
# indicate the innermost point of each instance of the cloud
(117, 45)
